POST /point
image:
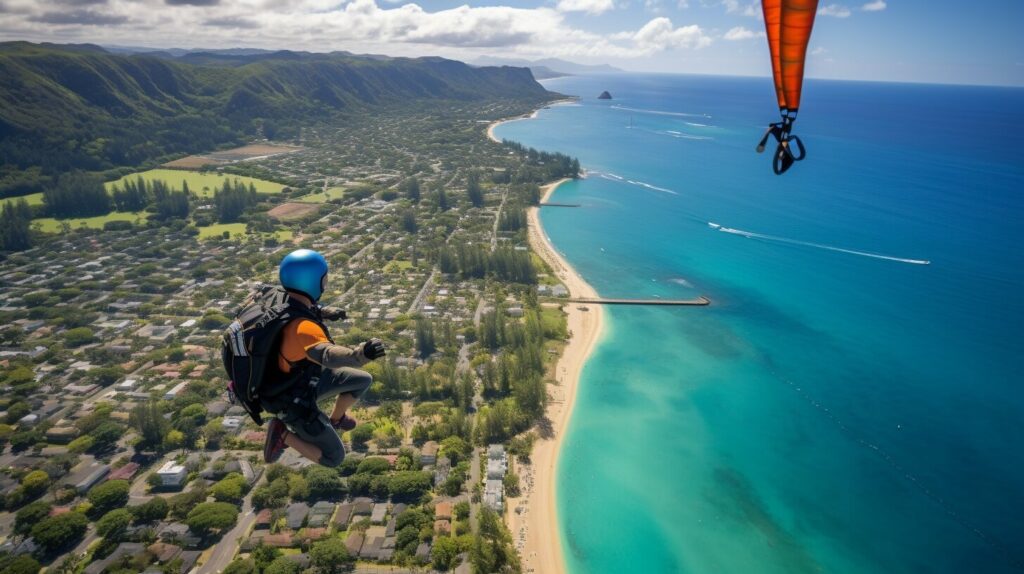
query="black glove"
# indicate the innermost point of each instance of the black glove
(333, 313)
(373, 349)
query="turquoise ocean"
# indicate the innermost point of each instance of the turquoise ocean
(840, 407)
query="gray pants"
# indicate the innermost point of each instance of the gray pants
(315, 428)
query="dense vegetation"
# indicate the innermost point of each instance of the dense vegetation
(81, 108)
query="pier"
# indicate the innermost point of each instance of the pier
(548, 204)
(698, 302)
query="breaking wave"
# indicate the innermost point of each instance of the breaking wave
(619, 178)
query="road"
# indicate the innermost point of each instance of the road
(423, 292)
(474, 479)
(359, 254)
(479, 313)
(497, 219)
(225, 550)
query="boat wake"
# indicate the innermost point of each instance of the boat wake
(619, 178)
(658, 112)
(753, 235)
(684, 136)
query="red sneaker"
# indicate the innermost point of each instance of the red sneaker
(345, 423)
(274, 446)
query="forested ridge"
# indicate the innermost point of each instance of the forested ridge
(65, 108)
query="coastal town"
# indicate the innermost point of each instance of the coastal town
(121, 449)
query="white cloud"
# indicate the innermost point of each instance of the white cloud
(818, 51)
(752, 9)
(834, 10)
(741, 33)
(588, 6)
(659, 34)
(361, 26)
(876, 6)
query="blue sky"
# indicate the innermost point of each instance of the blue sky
(976, 42)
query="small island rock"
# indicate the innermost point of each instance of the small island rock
(604, 96)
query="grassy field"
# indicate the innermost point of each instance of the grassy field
(218, 229)
(324, 197)
(32, 199)
(201, 184)
(397, 266)
(51, 225)
(237, 231)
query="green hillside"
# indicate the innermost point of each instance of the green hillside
(79, 107)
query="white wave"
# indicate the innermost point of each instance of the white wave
(658, 112)
(649, 186)
(696, 125)
(681, 281)
(753, 235)
(681, 135)
(619, 178)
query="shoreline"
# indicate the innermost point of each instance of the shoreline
(530, 116)
(537, 526)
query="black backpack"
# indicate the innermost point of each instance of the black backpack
(250, 344)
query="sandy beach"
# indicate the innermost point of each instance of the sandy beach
(491, 127)
(535, 528)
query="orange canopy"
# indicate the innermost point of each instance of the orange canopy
(788, 24)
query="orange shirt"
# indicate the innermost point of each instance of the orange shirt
(298, 336)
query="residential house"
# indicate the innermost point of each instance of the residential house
(123, 550)
(442, 526)
(423, 552)
(172, 475)
(493, 493)
(443, 510)
(164, 552)
(378, 514)
(341, 519)
(387, 550)
(371, 548)
(320, 514)
(296, 515)
(495, 469)
(175, 391)
(428, 454)
(279, 540)
(126, 472)
(441, 470)
(172, 532)
(87, 475)
(354, 542)
(361, 506)
(61, 435)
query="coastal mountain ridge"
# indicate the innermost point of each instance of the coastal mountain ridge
(545, 66)
(82, 107)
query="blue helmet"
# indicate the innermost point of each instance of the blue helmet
(305, 272)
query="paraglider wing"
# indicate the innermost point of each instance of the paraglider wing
(797, 21)
(788, 25)
(773, 27)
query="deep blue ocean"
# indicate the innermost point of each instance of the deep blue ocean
(838, 408)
